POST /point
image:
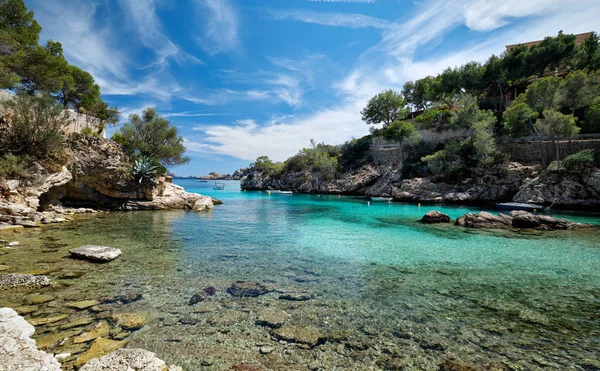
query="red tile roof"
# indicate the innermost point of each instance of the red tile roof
(579, 39)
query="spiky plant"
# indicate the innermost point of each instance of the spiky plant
(144, 170)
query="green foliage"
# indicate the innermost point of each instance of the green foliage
(78, 89)
(36, 124)
(419, 94)
(592, 117)
(355, 152)
(15, 167)
(18, 32)
(266, 166)
(428, 119)
(519, 119)
(454, 163)
(402, 131)
(144, 170)
(588, 54)
(483, 140)
(30, 68)
(386, 107)
(152, 136)
(543, 94)
(578, 90)
(557, 125)
(467, 113)
(326, 166)
(579, 162)
(88, 131)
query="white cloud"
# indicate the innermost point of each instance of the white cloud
(328, 19)
(484, 15)
(221, 26)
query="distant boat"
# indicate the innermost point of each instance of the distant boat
(282, 192)
(519, 206)
(381, 199)
(219, 186)
(203, 181)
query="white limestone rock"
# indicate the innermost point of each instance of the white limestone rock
(130, 360)
(17, 350)
(27, 281)
(96, 253)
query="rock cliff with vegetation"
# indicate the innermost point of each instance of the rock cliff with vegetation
(47, 170)
(545, 96)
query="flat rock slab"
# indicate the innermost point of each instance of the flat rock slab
(27, 281)
(271, 317)
(100, 254)
(298, 334)
(9, 228)
(248, 289)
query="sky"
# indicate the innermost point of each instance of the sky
(245, 78)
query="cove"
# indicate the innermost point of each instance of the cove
(374, 288)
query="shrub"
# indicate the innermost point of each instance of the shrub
(325, 165)
(36, 125)
(15, 167)
(579, 162)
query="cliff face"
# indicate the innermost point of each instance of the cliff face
(511, 182)
(96, 176)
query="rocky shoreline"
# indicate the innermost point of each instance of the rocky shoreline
(511, 182)
(95, 178)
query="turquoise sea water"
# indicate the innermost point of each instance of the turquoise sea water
(387, 292)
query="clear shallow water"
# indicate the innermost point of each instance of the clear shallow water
(387, 292)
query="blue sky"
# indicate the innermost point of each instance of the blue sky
(244, 78)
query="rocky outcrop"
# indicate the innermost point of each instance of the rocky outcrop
(129, 359)
(97, 176)
(17, 350)
(434, 217)
(23, 281)
(563, 190)
(100, 254)
(517, 219)
(502, 183)
(354, 182)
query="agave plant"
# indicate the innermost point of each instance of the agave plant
(144, 170)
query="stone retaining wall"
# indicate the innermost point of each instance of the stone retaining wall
(533, 152)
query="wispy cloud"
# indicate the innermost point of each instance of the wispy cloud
(328, 19)
(146, 24)
(221, 26)
(344, 1)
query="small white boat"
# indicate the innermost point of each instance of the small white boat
(281, 192)
(381, 199)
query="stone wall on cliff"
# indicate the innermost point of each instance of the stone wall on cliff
(533, 152)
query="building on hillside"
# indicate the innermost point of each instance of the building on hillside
(579, 39)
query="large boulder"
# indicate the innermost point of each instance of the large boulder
(525, 220)
(130, 360)
(23, 281)
(484, 220)
(204, 203)
(434, 216)
(100, 254)
(17, 350)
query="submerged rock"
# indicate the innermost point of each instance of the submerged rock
(227, 317)
(99, 348)
(96, 253)
(101, 330)
(484, 220)
(201, 295)
(271, 317)
(25, 281)
(307, 335)
(434, 216)
(18, 351)
(129, 321)
(129, 359)
(244, 288)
